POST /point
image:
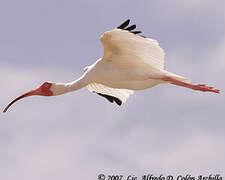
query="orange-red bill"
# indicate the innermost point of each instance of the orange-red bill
(33, 92)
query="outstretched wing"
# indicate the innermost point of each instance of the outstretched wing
(124, 44)
(111, 94)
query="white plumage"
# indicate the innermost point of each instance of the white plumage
(122, 94)
(132, 49)
(130, 62)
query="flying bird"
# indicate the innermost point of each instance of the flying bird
(130, 62)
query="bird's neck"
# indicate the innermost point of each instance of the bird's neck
(75, 85)
(62, 88)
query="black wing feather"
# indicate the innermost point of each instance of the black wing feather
(124, 25)
(131, 28)
(118, 101)
(136, 32)
(110, 98)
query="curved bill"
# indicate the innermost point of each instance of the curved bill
(33, 92)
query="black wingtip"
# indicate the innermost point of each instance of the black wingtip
(136, 32)
(131, 28)
(118, 101)
(110, 98)
(124, 24)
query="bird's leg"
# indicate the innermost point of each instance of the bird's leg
(198, 87)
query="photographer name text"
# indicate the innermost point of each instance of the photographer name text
(161, 177)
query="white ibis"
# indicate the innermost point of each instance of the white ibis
(130, 62)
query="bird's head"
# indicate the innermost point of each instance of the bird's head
(44, 90)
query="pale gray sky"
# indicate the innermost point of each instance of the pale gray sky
(163, 130)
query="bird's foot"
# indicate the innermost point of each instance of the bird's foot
(198, 87)
(205, 88)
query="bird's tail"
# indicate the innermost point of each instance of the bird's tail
(175, 76)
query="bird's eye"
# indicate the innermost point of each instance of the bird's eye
(46, 85)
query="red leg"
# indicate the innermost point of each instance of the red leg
(198, 87)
